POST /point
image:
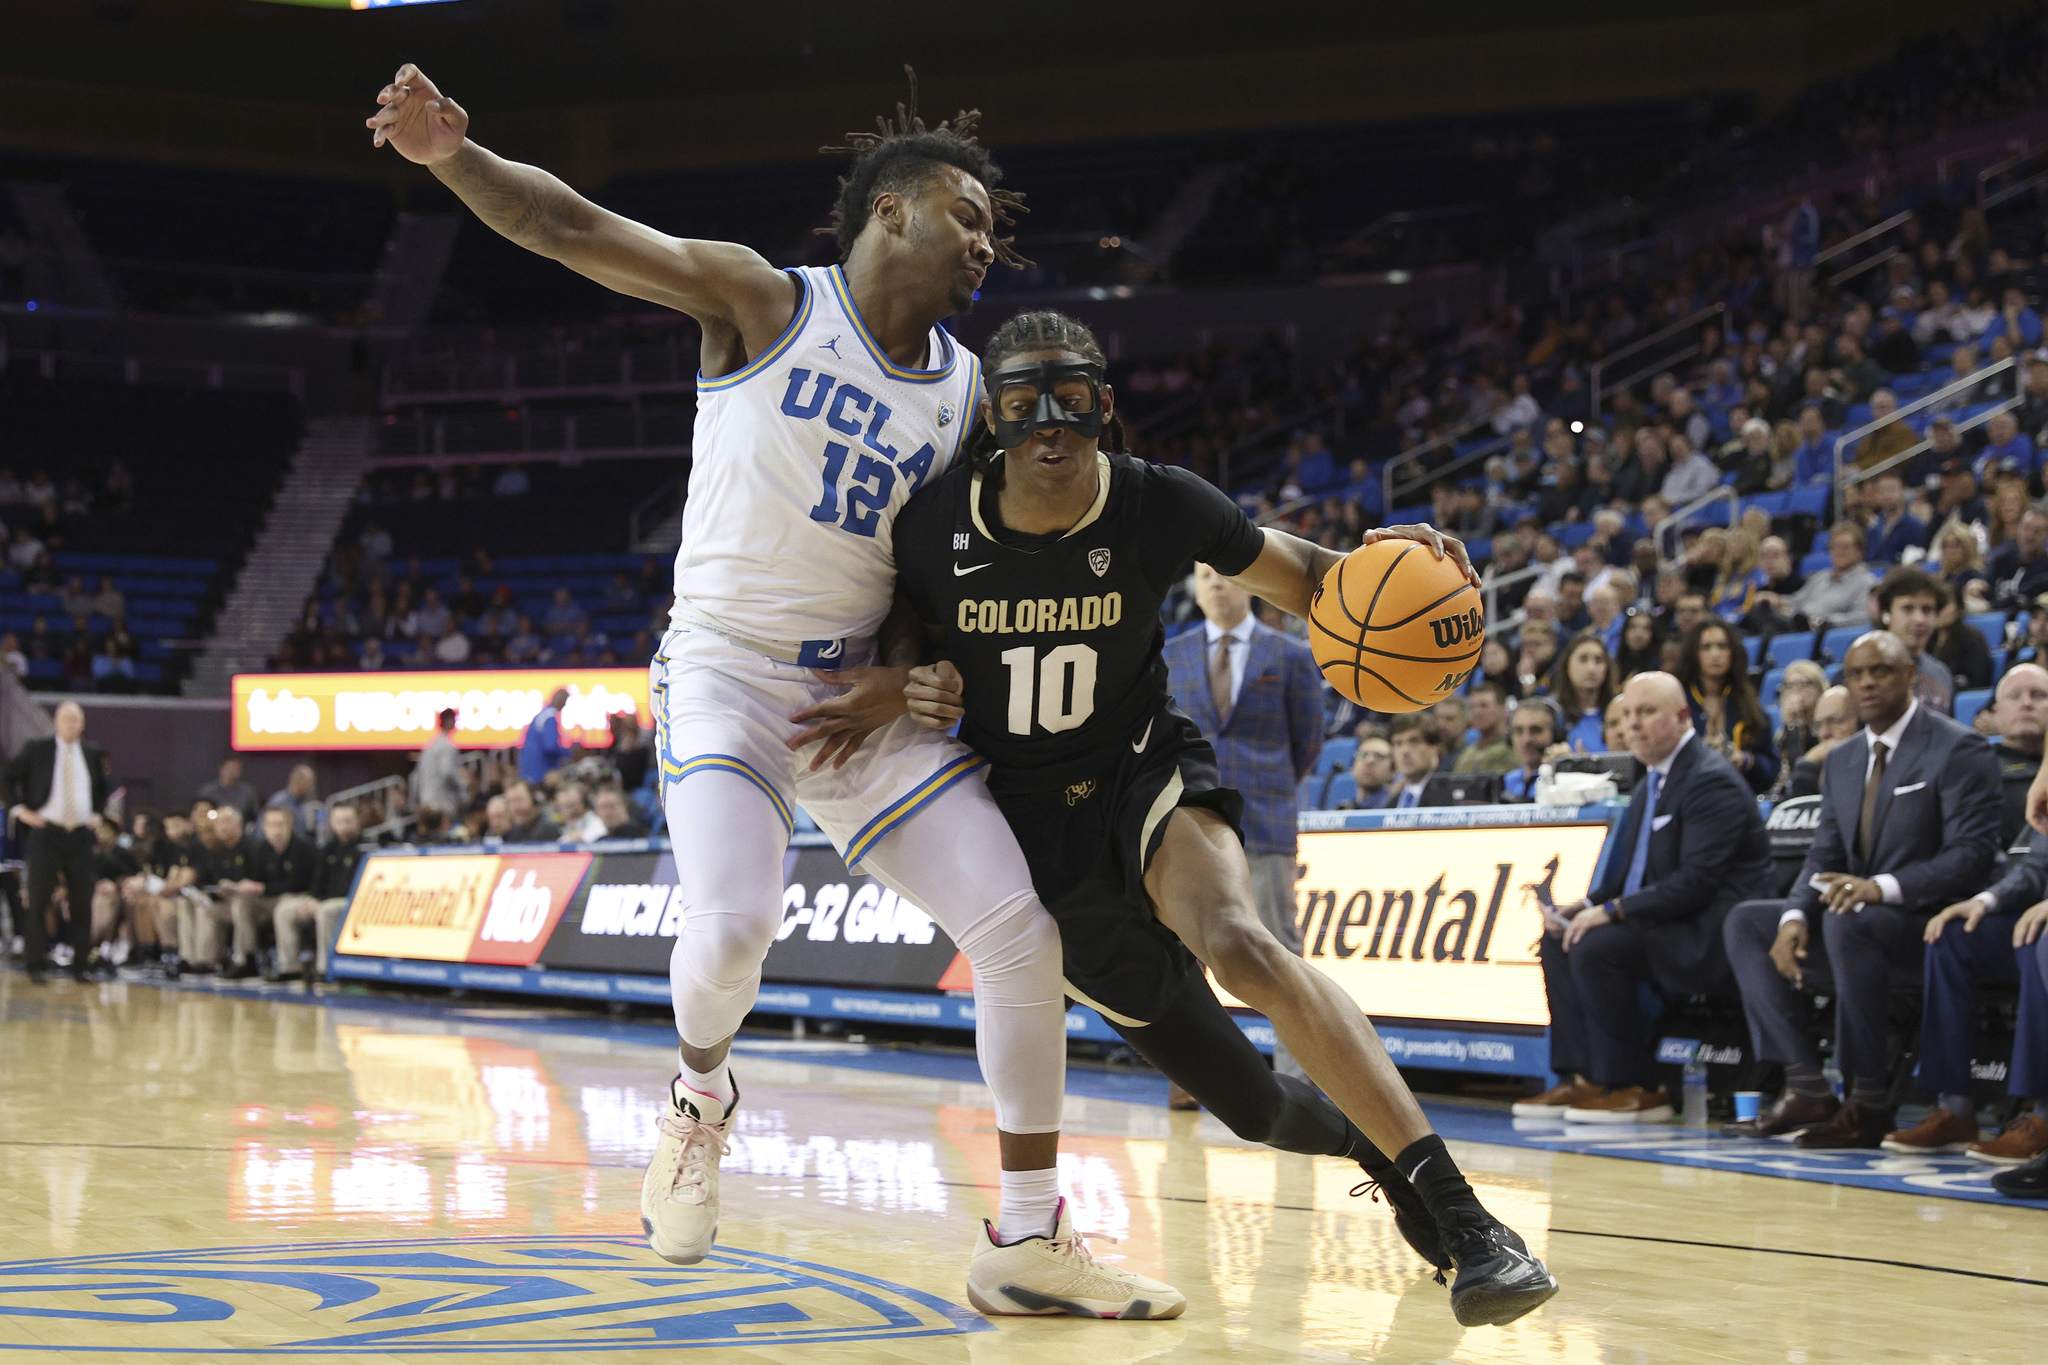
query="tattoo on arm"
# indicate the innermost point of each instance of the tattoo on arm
(521, 202)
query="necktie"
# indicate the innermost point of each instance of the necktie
(1639, 859)
(1408, 798)
(1219, 679)
(1871, 786)
(67, 789)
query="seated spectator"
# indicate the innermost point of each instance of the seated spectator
(229, 789)
(1839, 595)
(1603, 616)
(1834, 720)
(2017, 322)
(2034, 647)
(1490, 750)
(1814, 460)
(1714, 668)
(1908, 824)
(372, 659)
(2008, 451)
(300, 798)
(497, 818)
(524, 647)
(321, 906)
(75, 601)
(468, 604)
(1960, 564)
(1535, 728)
(1372, 772)
(1798, 694)
(1572, 616)
(1692, 475)
(2019, 713)
(1741, 578)
(526, 822)
(616, 816)
(1582, 683)
(11, 657)
(280, 864)
(1538, 647)
(109, 602)
(1691, 845)
(572, 812)
(499, 619)
(1418, 752)
(112, 669)
(430, 825)
(1497, 664)
(1642, 644)
(453, 646)
(1961, 648)
(1892, 528)
(1454, 726)
(1909, 603)
(563, 614)
(621, 596)
(433, 620)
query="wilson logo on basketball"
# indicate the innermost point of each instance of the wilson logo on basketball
(1458, 627)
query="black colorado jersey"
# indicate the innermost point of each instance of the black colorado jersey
(1057, 637)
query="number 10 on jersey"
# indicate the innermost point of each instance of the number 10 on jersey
(1065, 683)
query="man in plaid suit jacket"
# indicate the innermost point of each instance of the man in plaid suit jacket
(1258, 698)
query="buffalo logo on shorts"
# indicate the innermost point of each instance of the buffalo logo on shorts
(1458, 627)
(1080, 792)
(945, 414)
(1098, 560)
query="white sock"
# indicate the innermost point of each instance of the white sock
(1031, 1203)
(716, 1083)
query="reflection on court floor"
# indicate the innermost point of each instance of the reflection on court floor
(196, 1175)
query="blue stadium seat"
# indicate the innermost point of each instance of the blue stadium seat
(1836, 642)
(1997, 665)
(1767, 691)
(1991, 625)
(1787, 648)
(1343, 787)
(1572, 534)
(1816, 561)
(1811, 502)
(1754, 645)
(1772, 505)
(1968, 704)
(1309, 795)
(1337, 755)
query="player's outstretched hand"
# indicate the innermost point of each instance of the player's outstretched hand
(422, 123)
(1439, 544)
(936, 695)
(873, 698)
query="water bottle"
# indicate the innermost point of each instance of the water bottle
(1546, 775)
(1695, 1093)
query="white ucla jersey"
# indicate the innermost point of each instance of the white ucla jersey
(801, 461)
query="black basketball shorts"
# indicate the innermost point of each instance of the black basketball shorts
(1088, 843)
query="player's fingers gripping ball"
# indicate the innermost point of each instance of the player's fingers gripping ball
(1394, 628)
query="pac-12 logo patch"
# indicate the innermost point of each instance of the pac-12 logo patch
(1098, 560)
(946, 414)
(535, 1295)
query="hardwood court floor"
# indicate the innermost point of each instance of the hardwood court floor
(190, 1176)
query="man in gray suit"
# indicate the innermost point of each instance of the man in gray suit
(1909, 823)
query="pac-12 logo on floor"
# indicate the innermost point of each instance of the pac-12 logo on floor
(497, 1294)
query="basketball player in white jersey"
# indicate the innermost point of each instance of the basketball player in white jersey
(826, 398)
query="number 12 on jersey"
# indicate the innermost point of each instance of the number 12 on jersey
(1065, 683)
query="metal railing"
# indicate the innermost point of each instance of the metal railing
(663, 507)
(1415, 453)
(168, 370)
(1986, 196)
(621, 372)
(377, 789)
(1598, 371)
(1848, 438)
(1724, 492)
(1489, 590)
(1924, 444)
(1477, 455)
(1869, 234)
(1285, 425)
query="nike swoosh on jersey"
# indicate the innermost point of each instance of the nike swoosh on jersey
(959, 572)
(1139, 747)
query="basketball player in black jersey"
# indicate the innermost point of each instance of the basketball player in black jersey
(1037, 570)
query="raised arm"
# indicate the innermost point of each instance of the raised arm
(1288, 570)
(721, 284)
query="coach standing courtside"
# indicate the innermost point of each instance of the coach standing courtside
(1908, 824)
(1258, 698)
(1690, 847)
(55, 787)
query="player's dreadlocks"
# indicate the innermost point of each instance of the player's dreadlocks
(900, 157)
(1043, 331)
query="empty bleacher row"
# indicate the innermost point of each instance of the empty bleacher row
(167, 597)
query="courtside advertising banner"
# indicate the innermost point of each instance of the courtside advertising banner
(398, 710)
(1439, 924)
(620, 912)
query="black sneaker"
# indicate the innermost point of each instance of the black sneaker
(1412, 1218)
(2024, 1182)
(1498, 1280)
(242, 970)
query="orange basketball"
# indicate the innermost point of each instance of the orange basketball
(1394, 628)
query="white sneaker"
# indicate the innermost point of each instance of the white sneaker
(1040, 1276)
(679, 1195)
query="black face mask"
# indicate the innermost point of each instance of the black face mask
(1052, 393)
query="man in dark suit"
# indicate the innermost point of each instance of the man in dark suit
(1690, 847)
(1258, 698)
(55, 787)
(1908, 824)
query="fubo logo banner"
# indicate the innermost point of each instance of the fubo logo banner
(481, 907)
